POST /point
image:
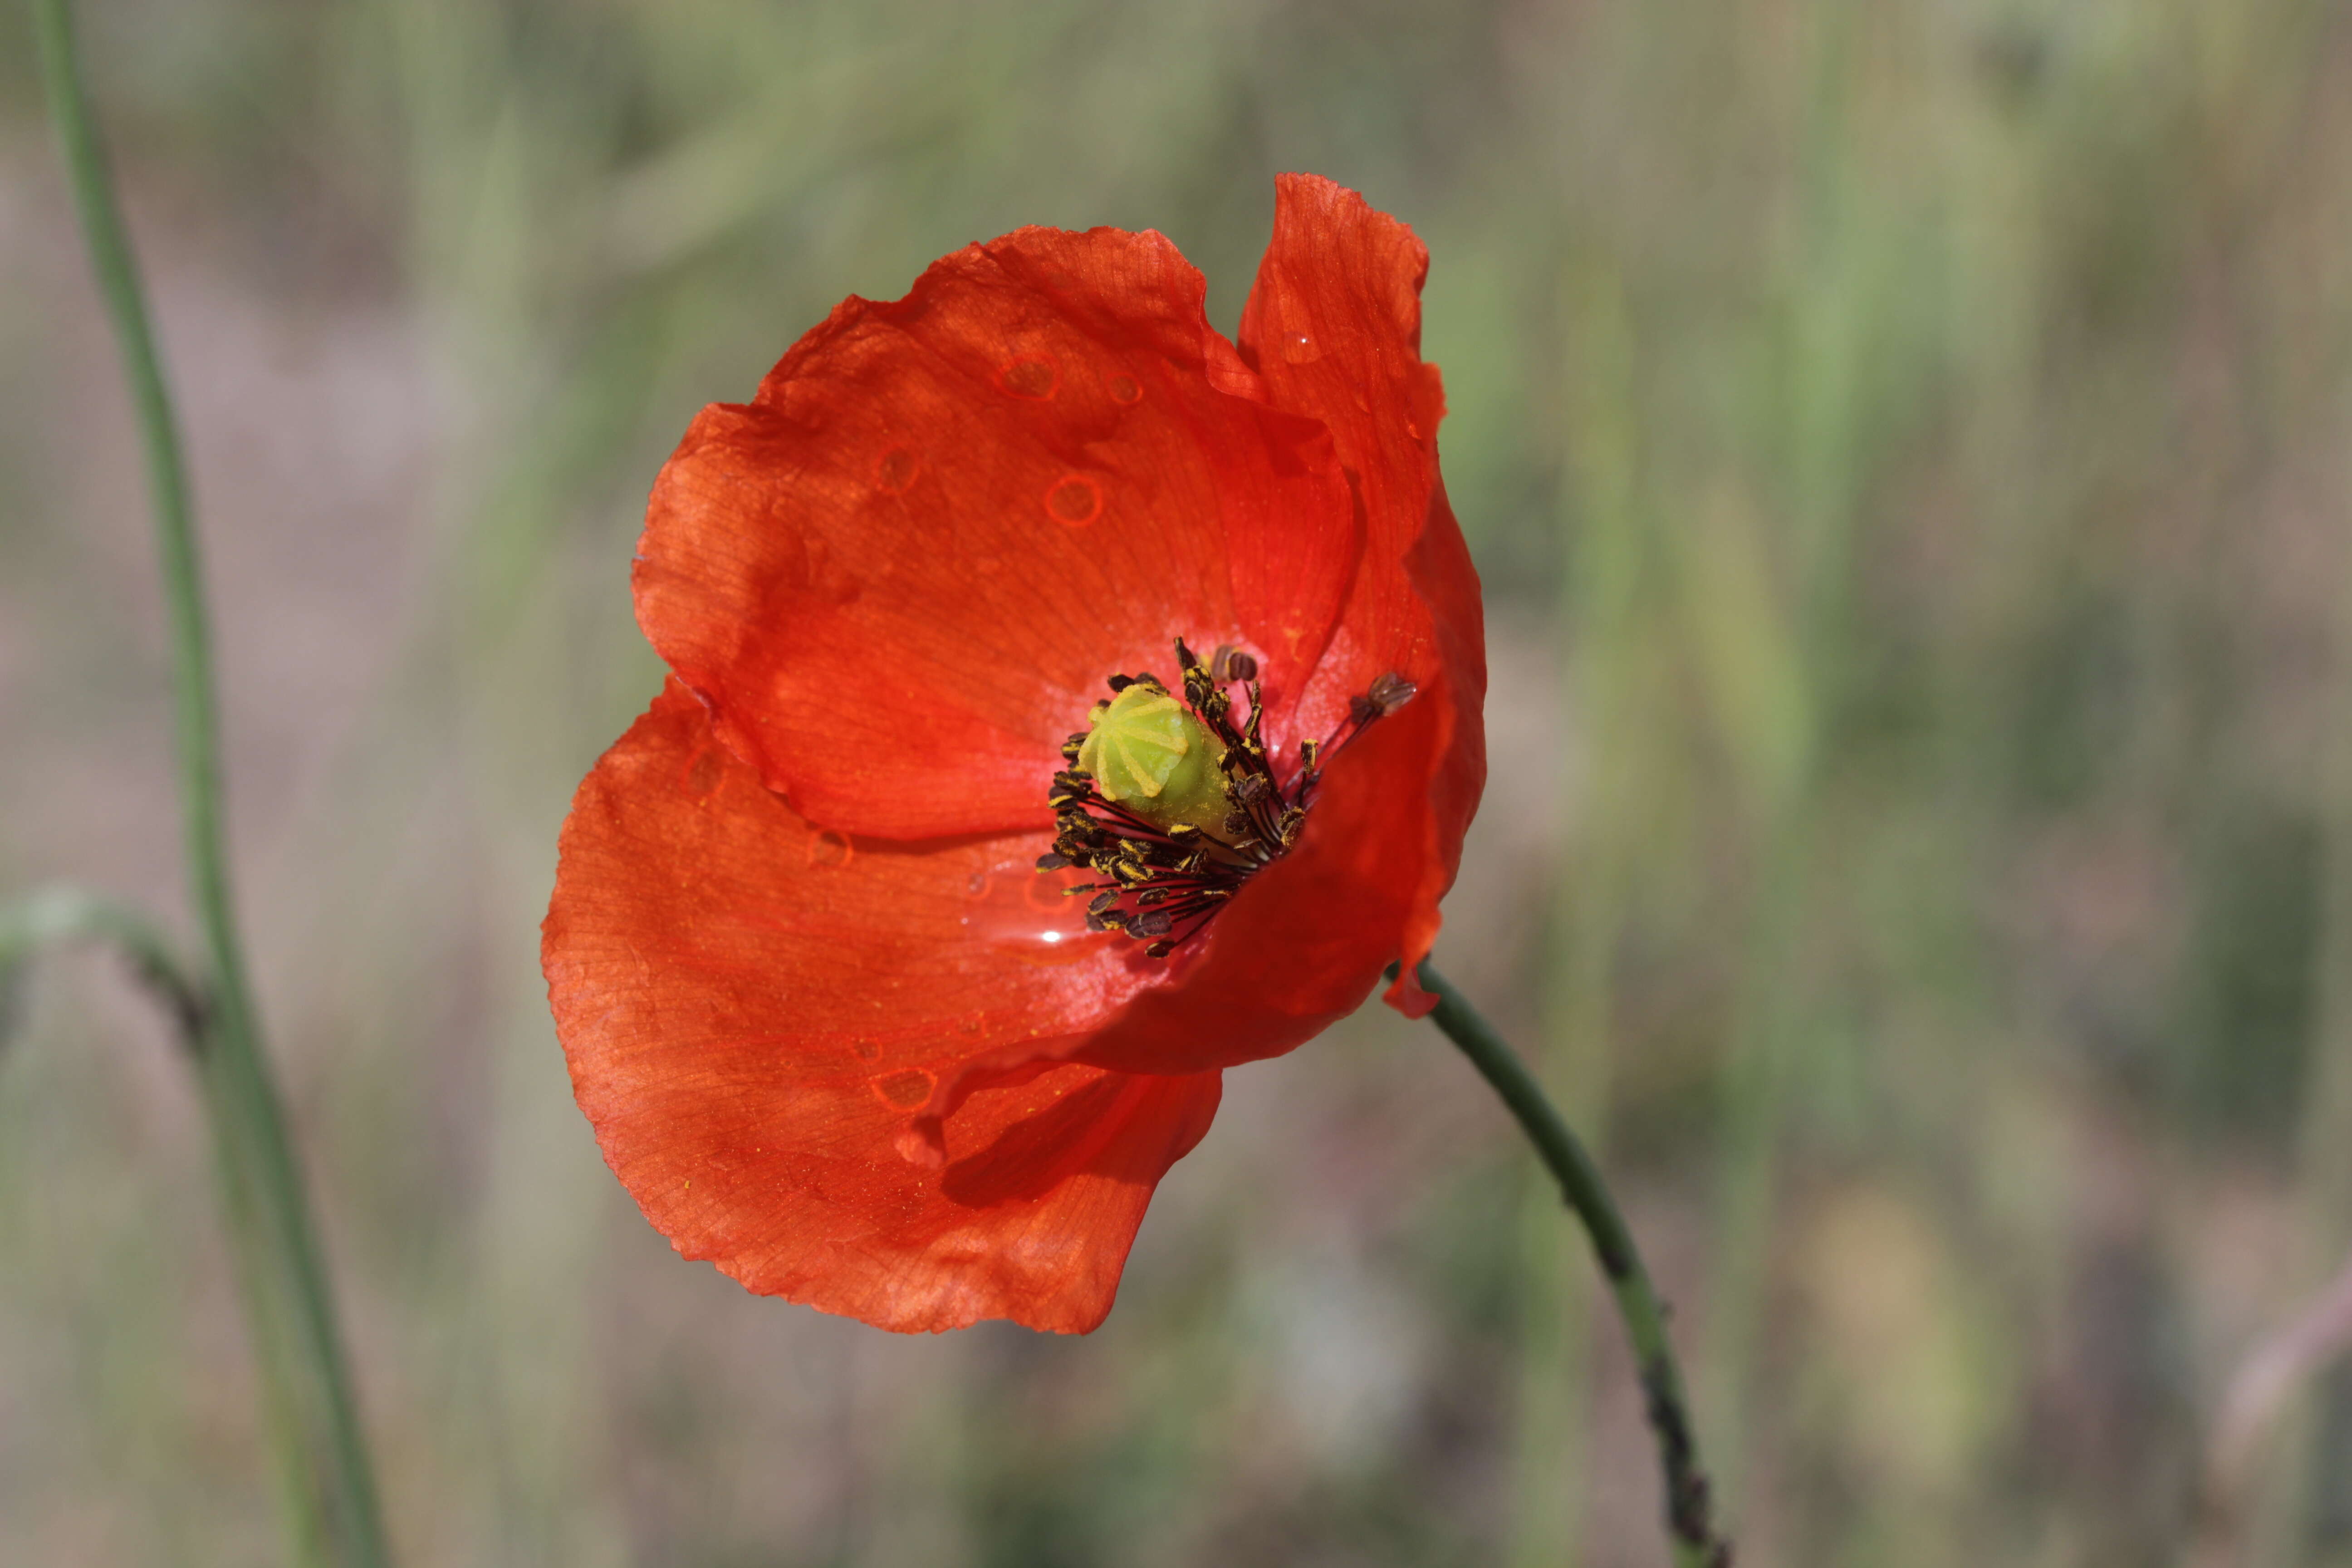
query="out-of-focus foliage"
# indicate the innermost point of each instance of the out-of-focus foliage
(1910, 450)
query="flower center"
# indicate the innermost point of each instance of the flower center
(1146, 753)
(1176, 805)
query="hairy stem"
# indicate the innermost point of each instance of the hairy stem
(288, 1307)
(1690, 1523)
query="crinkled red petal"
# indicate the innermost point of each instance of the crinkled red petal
(897, 1079)
(752, 1007)
(901, 575)
(1333, 328)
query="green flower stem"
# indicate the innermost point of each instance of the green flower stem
(289, 1309)
(1690, 1507)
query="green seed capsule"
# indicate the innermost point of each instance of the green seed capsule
(1146, 753)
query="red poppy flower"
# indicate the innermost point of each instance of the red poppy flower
(836, 1031)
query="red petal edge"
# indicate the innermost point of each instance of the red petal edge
(1333, 328)
(752, 1009)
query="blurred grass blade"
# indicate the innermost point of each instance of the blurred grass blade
(1600, 581)
(290, 1312)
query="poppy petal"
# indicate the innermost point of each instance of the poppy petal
(1333, 330)
(752, 1007)
(1439, 567)
(901, 575)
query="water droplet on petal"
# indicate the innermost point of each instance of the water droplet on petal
(1023, 913)
(895, 473)
(1126, 389)
(831, 850)
(1042, 893)
(1035, 378)
(702, 775)
(1299, 348)
(1074, 500)
(904, 1090)
(866, 1049)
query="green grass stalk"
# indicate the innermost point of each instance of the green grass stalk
(1816, 416)
(290, 1307)
(2277, 1533)
(1599, 594)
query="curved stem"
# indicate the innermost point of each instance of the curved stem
(1689, 1504)
(288, 1302)
(56, 915)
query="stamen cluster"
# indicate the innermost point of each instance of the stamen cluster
(1163, 884)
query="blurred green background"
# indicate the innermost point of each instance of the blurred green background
(1909, 449)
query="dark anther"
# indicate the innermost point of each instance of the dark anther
(1390, 692)
(1230, 663)
(1119, 683)
(1052, 861)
